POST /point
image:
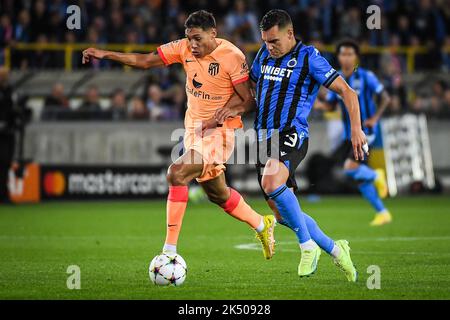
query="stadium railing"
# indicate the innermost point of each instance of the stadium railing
(410, 52)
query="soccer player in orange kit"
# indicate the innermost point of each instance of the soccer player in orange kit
(215, 70)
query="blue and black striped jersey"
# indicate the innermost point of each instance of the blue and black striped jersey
(286, 87)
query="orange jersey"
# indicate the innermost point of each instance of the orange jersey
(209, 80)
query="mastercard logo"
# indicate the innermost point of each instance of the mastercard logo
(54, 183)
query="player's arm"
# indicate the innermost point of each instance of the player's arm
(351, 102)
(241, 102)
(322, 71)
(136, 60)
(384, 100)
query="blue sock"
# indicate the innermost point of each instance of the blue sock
(282, 222)
(319, 237)
(366, 176)
(369, 192)
(289, 209)
(362, 173)
(322, 240)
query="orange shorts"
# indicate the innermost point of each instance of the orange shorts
(215, 147)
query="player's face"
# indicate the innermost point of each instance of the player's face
(201, 41)
(347, 58)
(278, 41)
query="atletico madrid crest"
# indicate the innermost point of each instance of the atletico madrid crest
(213, 68)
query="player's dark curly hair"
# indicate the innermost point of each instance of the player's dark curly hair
(200, 19)
(275, 17)
(348, 43)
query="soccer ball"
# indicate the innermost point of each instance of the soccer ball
(168, 269)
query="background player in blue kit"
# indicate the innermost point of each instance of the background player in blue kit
(287, 75)
(371, 183)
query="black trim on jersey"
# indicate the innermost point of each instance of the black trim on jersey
(258, 55)
(298, 91)
(258, 92)
(366, 104)
(357, 77)
(312, 84)
(268, 96)
(366, 100)
(330, 80)
(261, 50)
(282, 93)
(346, 117)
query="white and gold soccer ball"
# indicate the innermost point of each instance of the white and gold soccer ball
(168, 269)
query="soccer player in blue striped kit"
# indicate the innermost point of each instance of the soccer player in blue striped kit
(286, 75)
(371, 183)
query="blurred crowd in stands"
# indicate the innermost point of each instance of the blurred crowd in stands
(155, 104)
(162, 105)
(405, 23)
(436, 104)
(430, 97)
(319, 22)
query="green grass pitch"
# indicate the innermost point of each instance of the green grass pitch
(113, 243)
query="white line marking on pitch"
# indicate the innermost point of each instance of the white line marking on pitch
(256, 246)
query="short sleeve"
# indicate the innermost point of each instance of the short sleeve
(171, 52)
(237, 67)
(320, 69)
(374, 84)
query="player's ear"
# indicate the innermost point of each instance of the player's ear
(290, 33)
(213, 32)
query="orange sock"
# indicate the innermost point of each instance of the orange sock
(176, 206)
(239, 209)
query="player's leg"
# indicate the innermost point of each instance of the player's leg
(179, 174)
(339, 250)
(367, 179)
(273, 183)
(219, 193)
(234, 204)
(277, 158)
(319, 237)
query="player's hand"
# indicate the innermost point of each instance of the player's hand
(92, 53)
(359, 142)
(371, 122)
(208, 124)
(223, 114)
